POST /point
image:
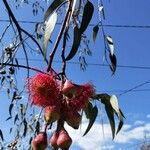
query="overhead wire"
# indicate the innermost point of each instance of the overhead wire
(93, 64)
(105, 25)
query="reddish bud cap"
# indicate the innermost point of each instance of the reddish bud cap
(64, 140)
(40, 141)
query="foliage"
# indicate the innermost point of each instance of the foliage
(72, 99)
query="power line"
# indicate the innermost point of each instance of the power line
(94, 64)
(105, 25)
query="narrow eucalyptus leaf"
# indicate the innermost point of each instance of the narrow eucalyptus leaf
(76, 43)
(95, 31)
(110, 114)
(8, 118)
(10, 109)
(50, 24)
(53, 7)
(113, 60)
(119, 126)
(16, 118)
(92, 117)
(37, 128)
(25, 127)
(1, 135)
(87, 16)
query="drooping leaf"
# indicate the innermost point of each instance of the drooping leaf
(2, 80)
(114, 103)
(2, 72)
(113, 63)
(121, 113)
(22, 111)
(119, 126)
(101, 10)
(8, 118)
(10, 109)
(10, 130)
(1, 135)
(8, 93)
(112, 56)
(11, 70)
(37, 127)
(14, 95)
(104, 97)
(25, 127)
(87, 16)
(50, 24)
(53, 7)
(16, 118)
(30, 140)
(91, 113)
(110, 44)
(95, 31)
(110, 114)
(76, 43)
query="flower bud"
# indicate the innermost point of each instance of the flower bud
(40, 141)
(53, 140)
(51, 114)
(64, 140)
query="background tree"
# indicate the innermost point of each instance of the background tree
(51, 93)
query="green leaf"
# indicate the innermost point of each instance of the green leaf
(112, 56)
(25, 127)
(95, 31)
(104, 97)
(22, 111)
(37, 128)
(50, 25)
(110, 114)
(10, 109)
(8, 118)
(16, 118)
(53, 7)
(91, 113)
(87, 16)
(119, 126)
(1, 135)
(76, 43)
(114, 103)
(113, 60)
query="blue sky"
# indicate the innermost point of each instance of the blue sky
(131, 48)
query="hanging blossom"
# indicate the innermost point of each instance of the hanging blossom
(43, 90)
(79, 101)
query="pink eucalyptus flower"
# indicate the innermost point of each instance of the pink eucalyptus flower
(43, 90)
(79, 102)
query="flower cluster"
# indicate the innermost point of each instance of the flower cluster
(60, 102)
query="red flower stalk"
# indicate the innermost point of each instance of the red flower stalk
(78, 102)
(43, 90)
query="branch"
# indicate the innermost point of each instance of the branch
(20, 29)
(59, 36)
(22, 66)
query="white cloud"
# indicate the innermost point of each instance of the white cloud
(95, 139)
(148, 116)
(139, 122)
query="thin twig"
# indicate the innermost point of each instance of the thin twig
(59, 36)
